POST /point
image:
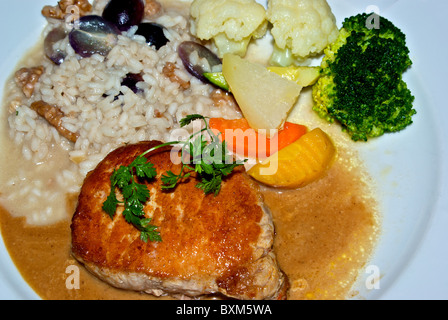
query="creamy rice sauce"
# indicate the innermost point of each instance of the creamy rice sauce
(325, 232)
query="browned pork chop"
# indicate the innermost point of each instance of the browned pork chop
(210, 244)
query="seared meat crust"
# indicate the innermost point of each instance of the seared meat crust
(210, 244)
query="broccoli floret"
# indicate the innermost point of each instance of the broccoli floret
(361, 84)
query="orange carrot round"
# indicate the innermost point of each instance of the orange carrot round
(245, 141)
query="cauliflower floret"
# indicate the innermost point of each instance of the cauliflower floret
(231, 24)
(302, 27)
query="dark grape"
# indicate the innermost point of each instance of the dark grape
(130, 81)
(92, 34)
(124, 13)
(185, 50)
(55, 55)
(153, 34)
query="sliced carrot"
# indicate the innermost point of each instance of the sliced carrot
(245, 141)
(290, 133)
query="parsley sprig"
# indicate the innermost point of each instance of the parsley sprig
(135, 194)
(209, 158)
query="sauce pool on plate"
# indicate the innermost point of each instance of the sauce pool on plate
(325, 234)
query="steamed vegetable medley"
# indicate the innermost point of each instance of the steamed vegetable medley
(358, 85)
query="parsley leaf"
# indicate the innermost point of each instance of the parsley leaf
(121, 177)
(190, 118)
(143, 168)
(170, 180)
(210, 184)
(110, 205)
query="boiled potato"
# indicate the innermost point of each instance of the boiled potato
(265, 98)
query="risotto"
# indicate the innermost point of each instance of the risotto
(103, 112)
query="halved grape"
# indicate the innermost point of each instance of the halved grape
(124, 13)
(54, 54)
(92, 34)
(131, 80)
(198, 59)
(153, 34)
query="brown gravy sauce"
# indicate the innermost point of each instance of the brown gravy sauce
(325, 233)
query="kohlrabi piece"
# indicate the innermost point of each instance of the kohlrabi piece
(265, 98)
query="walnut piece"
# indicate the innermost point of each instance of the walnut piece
(169, 70)
(27, 78)
(152, 8)
(65, 7)
(221, 98)
(54, 116)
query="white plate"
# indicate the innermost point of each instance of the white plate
(409, 167)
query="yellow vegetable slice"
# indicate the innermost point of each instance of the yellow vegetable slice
(303, 76)
(298, 164)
